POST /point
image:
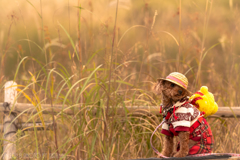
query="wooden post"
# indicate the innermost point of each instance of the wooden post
(10, 127)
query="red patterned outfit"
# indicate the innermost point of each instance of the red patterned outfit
(183, 116)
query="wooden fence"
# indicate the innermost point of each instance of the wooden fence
(11, 108)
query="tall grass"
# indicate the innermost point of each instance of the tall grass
(87, 55)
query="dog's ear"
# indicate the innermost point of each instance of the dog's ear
(157, 87)
(187, 94)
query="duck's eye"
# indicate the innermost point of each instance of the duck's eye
(172, 84)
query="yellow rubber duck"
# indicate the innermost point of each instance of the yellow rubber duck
(204, 101)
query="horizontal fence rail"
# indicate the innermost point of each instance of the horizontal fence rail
(47, 108)
(30, 126)
(30, 108)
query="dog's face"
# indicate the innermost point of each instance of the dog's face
(170, 91)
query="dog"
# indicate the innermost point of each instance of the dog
(182, 119)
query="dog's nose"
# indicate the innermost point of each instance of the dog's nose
(180, 92)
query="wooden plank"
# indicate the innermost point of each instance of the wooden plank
(46, 109)
(9, 125)
(210, 157)
(222, 111)
(38, 125)
(228, 112)
(30, 126)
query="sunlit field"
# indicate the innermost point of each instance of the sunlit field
(96, 56)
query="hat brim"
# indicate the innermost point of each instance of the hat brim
(169, 80)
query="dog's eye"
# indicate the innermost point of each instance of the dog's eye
(180, 92)
(172, 84)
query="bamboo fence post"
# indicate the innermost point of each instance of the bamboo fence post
(9, 127)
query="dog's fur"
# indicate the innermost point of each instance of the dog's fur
(171, 93)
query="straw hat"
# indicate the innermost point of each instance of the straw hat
(178, 79)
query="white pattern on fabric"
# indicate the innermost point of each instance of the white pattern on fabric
(165, 126)
(186, 114)
(181, 123)
(185, 110)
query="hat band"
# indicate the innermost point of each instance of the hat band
(177, 80)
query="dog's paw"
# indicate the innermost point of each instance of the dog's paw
(165, 153)
(180, 154)
(160, 156)
(172, 154)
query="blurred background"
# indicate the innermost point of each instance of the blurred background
(135, 42)
(152, 38)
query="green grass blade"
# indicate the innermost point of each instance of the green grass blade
(28, 40)
(35, 9)
(86, 82)
(71, 41)
(210, 49)
(18, 68)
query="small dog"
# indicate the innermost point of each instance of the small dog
(182, 119)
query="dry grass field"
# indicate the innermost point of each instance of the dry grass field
(98, 55)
